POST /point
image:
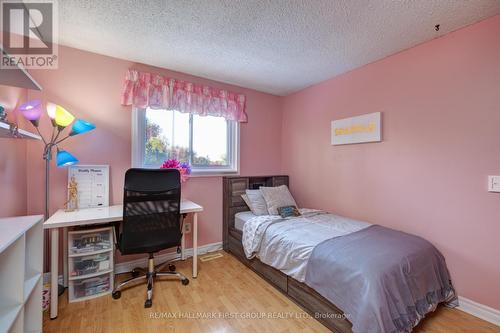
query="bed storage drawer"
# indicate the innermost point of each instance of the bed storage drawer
(324, 311)
(236, 248)
(271, 274)
(236, 234)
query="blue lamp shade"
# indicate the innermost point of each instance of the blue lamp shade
(65, 159)
(81, 126)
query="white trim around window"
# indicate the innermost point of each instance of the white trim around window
(138, 148)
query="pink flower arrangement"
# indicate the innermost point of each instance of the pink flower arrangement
(184, 168)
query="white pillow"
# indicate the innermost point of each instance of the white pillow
(255, 201)
(245, 198)
(277, 197)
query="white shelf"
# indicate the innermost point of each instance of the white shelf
(21, 134)
(8, 315)
(12, 273)
(33, 310)
(30, 284)
(18, 325)
(12, 228)
(21, 240)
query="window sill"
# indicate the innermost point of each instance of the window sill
(201, 173)
(213, 173)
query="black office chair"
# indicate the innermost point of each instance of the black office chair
(151, 223)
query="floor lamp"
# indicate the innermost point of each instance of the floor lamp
(60, 119)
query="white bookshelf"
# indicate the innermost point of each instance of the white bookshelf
(21, 248)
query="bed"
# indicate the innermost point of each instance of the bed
(307, 298)
(285, 245)
(286, 251)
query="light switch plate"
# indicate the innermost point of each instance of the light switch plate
(493, 183)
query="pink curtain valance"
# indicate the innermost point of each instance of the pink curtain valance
(144, 90)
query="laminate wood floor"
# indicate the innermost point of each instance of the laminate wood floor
(226, 297)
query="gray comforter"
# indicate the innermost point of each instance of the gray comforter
(384, 280)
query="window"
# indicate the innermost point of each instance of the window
(209, 144)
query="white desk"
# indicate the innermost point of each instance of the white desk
(89, 216)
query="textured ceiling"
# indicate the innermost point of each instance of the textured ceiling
(275, 46)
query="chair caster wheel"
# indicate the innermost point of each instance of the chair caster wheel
(148, 303)
(171, 268)
(116, 294)
(185, 282)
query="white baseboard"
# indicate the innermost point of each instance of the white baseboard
(479, 310)
(129, 265)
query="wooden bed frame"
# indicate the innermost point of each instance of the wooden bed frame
(308, 299)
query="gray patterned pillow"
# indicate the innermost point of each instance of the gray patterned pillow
(277, 197)
(255, 201)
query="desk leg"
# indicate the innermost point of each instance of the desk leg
(195, 245)
(54, 269)
(183, 247)
(65, 257)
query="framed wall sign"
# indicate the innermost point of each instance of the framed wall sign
(360, 129)
(92, 183)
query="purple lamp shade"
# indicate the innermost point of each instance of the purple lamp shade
(32, 111)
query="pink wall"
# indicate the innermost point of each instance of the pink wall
(89, 86)
(12, 158)
(441, 136)
(440, 116)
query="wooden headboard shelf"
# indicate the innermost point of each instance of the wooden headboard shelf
(234, 187)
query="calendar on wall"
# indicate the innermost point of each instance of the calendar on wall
(92, 185)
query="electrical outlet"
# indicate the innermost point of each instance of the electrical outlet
(187, 228)
(494, 183)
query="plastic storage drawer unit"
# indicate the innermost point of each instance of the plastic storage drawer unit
(90, 263)
(90, 241)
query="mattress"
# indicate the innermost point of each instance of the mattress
(241, 218)
(287, 244)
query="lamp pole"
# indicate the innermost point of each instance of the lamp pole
(60, 119)
(47, 156)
